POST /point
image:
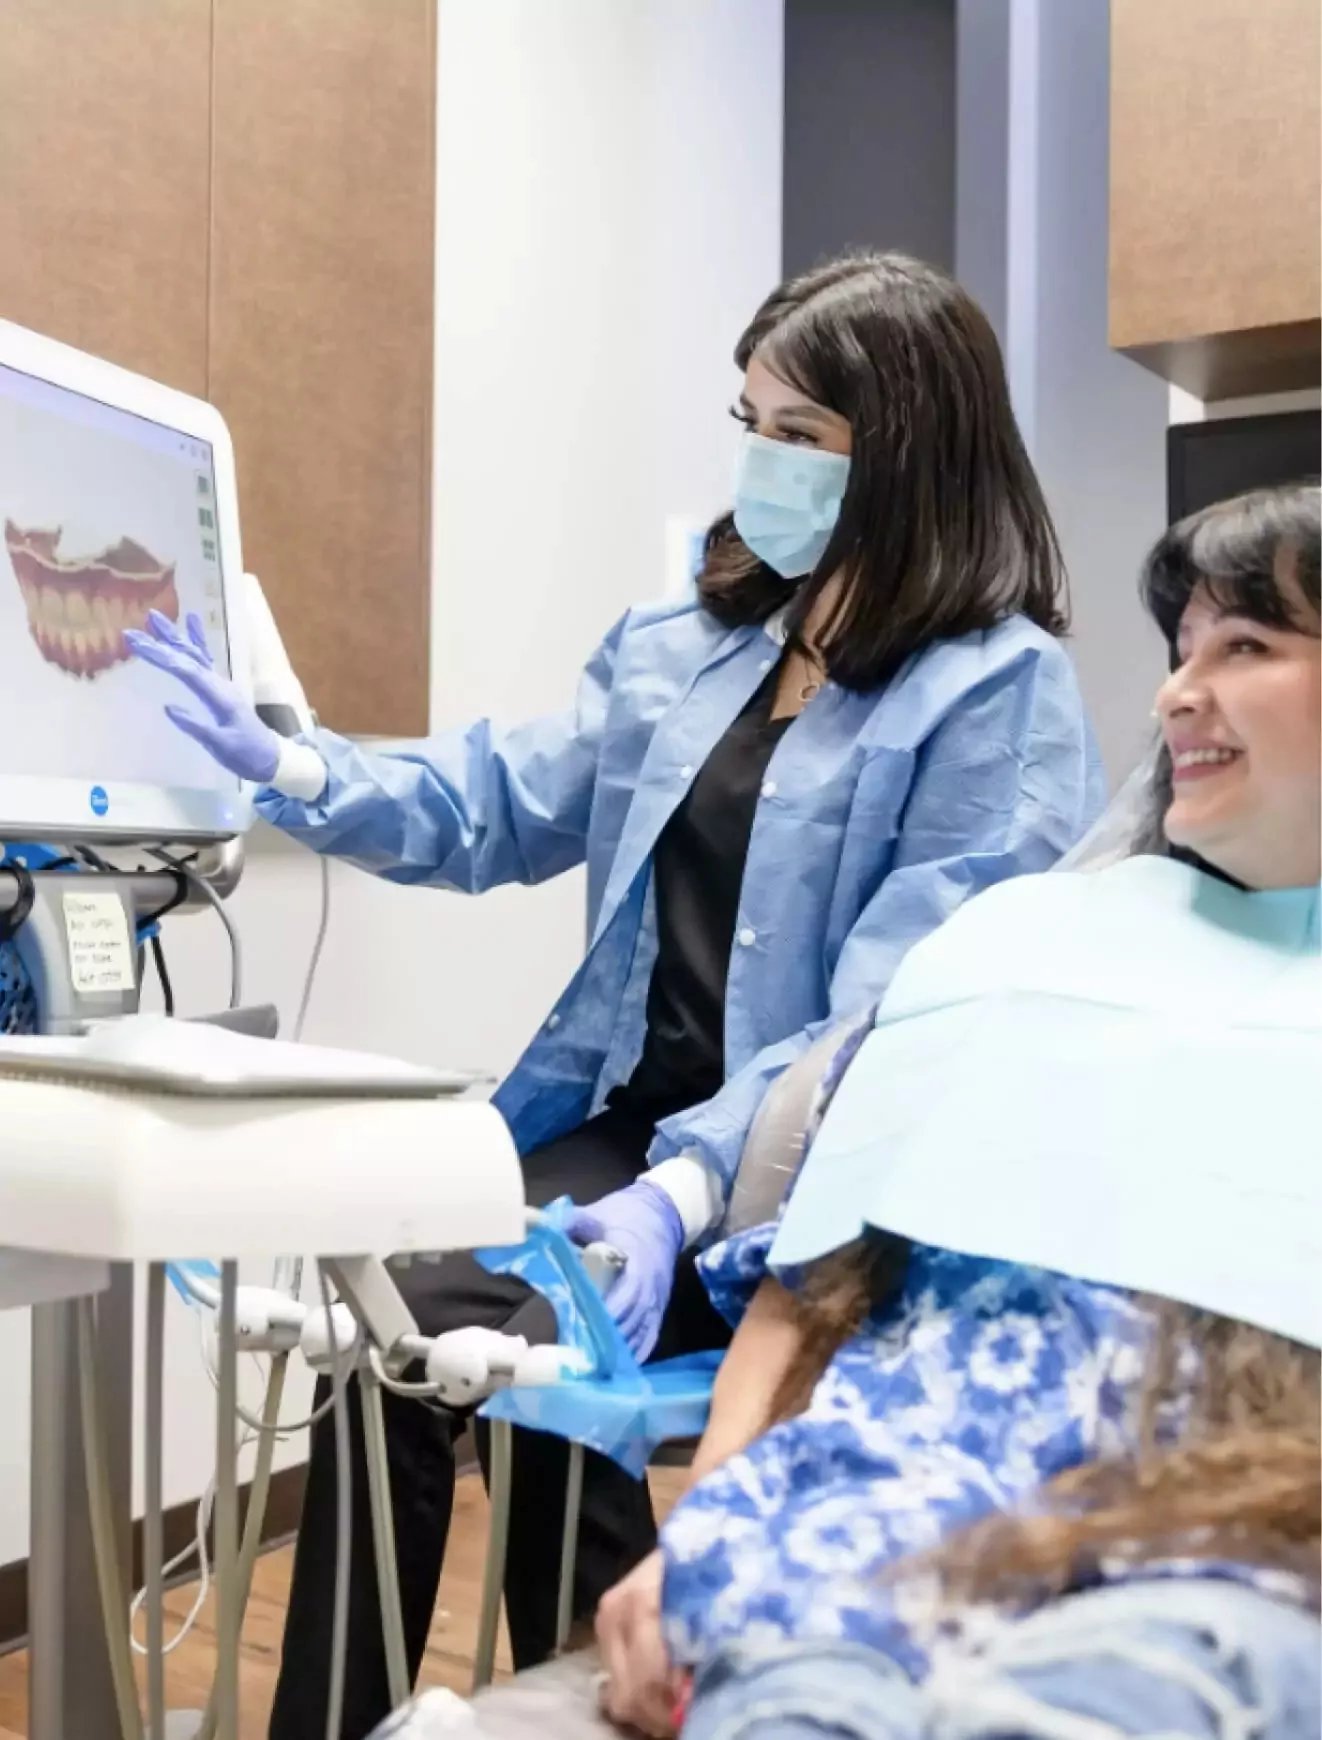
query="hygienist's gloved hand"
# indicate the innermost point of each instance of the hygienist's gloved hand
(644, 1226)
(231, 733)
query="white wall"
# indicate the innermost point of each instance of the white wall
(608, 217)
(1184, 407)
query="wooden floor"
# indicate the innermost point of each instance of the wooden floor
(449, 1656)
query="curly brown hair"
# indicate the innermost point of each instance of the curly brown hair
(1240, 1479)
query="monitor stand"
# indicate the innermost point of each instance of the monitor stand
(78, 943)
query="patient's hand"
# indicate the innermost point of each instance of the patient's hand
(642, 1687)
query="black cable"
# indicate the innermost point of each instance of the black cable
(175, 901)
(163, 974)
(204, 888)
(344, 1526)
(12, 922)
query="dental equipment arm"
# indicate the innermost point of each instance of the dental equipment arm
(372, 1324)
(276, 691)
(279, 700)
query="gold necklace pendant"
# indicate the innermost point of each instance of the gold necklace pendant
(808, 690)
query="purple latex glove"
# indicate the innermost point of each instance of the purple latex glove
(643, 1225)
(233, 735)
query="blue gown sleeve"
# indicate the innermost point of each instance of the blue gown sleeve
(1003, 787)
(468, 809)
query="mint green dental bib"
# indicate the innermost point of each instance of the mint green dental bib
(1116, 1075)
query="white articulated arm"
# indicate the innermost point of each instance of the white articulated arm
(463, 1366)
(466, 1366)
(276, 691)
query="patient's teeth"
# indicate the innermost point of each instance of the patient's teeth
(1204, 757)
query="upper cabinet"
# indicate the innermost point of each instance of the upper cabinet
(236, 197)
(1215, 200)
(105, 179)
(322, 267)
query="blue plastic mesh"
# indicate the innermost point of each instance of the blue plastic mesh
(18, 1003)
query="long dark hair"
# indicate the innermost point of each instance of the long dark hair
(943, 529)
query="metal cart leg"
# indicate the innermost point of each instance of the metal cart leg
(153, 1538)
(383, 1540)
(564, 1613)
(229, 1612)
(493, 1581)
(72, 1689)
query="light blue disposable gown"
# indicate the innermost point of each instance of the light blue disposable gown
(881, 813)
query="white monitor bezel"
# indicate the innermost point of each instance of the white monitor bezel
(60, 809)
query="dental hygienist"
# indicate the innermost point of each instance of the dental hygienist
(865, 719)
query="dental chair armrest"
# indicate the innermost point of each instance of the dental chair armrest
(777, 1140)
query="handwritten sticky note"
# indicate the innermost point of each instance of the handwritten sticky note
(101, 956)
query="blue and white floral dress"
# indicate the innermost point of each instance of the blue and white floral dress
(962, 1397)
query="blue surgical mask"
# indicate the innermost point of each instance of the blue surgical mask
(787, 501)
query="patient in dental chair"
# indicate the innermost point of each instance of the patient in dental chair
(1052, 1476)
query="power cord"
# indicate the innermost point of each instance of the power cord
(286, 1429)
(204, 888)
(13, 921)
(175, 901)
(198, 1548)
(264, 1430)
(323, 925)
(397, 1386)
(163, 974)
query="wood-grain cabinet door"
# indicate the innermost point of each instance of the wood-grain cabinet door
(105, 154)
(321, 334)
(236, 197)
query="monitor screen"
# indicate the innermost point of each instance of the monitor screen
(106, 516)
(1207, 462)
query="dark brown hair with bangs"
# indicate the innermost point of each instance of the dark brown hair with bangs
(943, 529)
(1232, 551)
(1238, 552)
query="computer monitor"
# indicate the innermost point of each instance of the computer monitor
(117, 497)
(1225, 456)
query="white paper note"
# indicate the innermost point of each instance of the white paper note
(100, 948)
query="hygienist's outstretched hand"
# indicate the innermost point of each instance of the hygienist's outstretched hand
(230, 732)
(643, 1225)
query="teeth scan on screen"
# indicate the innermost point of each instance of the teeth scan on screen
(107, 516)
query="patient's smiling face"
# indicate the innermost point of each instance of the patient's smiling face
(1242, 717)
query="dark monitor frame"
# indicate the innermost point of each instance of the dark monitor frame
(1181, 436)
